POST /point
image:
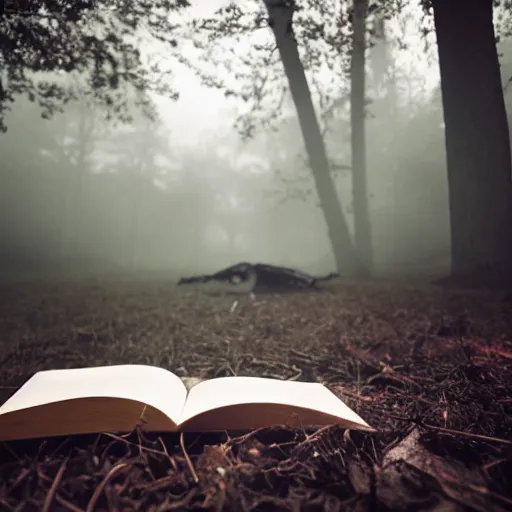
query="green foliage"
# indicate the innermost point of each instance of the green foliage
(99, 40)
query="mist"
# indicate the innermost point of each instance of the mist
(256, 255)
(185, 192)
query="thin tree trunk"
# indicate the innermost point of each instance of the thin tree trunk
(281, 16)
(362, 225)
(383, 69)
(477, 141)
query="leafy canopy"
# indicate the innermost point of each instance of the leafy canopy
(43, 40)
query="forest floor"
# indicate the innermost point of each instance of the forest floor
(430, 369)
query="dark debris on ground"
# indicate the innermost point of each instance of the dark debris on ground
(430, 369)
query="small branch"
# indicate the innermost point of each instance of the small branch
(101, 486)
(53, 489)
(187, 458)
(143, 448)
(66, 504)
(297, 375)
(467, 434)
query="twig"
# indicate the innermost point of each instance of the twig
(300, 354)
(23, 474)
(450, 431)
(467, 434)
(99, 489)
(6, 505)
(245, 437)
(65, 503)
(161, 483)
(270, 375)
(53, 489)
(8, 448)
(171, 460)
(297, 375)
(492, 464)
(187, 458)
(143, 448)
(357, 396)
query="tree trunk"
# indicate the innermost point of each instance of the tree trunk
(477, 141)
(280, 18)
(362, 225)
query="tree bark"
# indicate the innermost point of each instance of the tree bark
(362, 225)
(477, 141)
(280, 18)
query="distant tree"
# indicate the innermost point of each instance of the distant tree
(362, 226)
(82, 127)
(281, 21)
(27, 181)
(279, 15)
(97, 38)
(137, 152)
(322, 41)
(477, 140)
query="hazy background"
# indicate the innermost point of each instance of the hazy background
(187, 194)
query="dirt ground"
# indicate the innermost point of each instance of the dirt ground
(430, 369)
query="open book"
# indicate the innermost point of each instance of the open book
(120, 398)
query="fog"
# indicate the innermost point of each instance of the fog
(186, 193)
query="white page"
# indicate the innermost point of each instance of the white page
(153, 386)
(221, 392)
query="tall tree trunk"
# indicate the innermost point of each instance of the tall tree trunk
(477, 141)
(362, 225)
(385, 75)
(280, 17)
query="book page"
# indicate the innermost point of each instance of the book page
(229, 391)
(150, 385)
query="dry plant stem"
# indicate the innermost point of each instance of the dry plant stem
(357, 396)
(467, 434)
(139, 446)
(8, 448)
(169, 458)
(51, 493)
(4, 504)
(24, 473)
(492, 464)
(101, 486)
(187, 458)
(66, 504)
